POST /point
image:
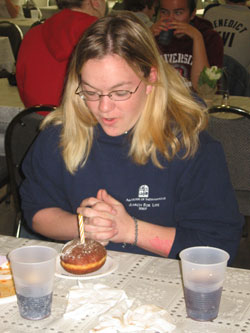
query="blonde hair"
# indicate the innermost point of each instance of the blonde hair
(171, 119)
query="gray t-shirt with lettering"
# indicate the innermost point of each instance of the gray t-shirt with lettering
(232, 22)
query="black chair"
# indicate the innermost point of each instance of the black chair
(38, 22)
(238, 78)
(11, 30)
(229, 109)
(4, 178)
(20, 134)
(234, 135)
(29, 6)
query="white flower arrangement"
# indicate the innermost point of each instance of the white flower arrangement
(209, 76)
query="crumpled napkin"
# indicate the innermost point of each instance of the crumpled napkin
(117, 312)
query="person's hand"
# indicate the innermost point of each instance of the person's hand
(181, 28)
(105, 219)
(123, 222)
(161, 25)
(97, 216)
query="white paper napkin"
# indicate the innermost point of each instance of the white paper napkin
(117, 312)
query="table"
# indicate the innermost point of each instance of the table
(23, 23)
(10, 105)
(149, 279)
(7, 60)
(48, 11)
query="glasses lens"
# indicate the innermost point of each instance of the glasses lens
(90, 95)
(120, 95)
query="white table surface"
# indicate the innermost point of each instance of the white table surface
(48, 11)
(23, 23)
(10, 106)
(7, 60)
(149, 279)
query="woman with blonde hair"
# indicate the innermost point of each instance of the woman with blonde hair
(127, 150)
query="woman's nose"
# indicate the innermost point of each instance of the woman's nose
(106, 104)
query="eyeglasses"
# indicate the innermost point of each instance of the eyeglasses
(115, 95)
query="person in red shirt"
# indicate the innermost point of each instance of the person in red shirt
(194, 43)
(46, 49)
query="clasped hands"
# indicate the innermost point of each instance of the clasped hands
(106, 219)
(180, 28)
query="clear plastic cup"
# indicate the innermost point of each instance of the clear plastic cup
(165, 37)
(33, 269)
(203, 272)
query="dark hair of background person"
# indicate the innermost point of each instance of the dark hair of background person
(192, 5)
(61, 4)
(211, 5)
(237, 1)
(138, 5)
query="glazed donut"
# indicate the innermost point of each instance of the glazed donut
(78, 258)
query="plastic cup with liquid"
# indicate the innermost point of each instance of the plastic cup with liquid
(203, 272)
(33, 269)
(165, 37)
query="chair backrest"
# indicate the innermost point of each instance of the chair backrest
(11, 30)
(229, 109)
(238, 77)
(20, 134)
(234, 135)
(38, 22)
(4, 178)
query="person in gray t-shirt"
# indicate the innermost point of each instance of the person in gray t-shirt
(232, 22)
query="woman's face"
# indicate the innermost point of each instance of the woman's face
(108, 74)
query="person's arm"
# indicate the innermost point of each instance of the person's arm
(107, 219)
(200, 58)
(56, 223)
(12, 9)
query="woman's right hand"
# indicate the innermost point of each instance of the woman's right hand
(98, 219)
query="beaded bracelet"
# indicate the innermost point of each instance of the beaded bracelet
(136, 231)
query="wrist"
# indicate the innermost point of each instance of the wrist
(132, 234)
(136, 231)
(133, 231)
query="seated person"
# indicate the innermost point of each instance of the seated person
(119, 5)
(45, 51)
(143, 9)
(10, 9)
(194, 43)
(232, 22)
(127, 150)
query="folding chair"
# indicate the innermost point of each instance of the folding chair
(20, 134)
(234, 135)
(11, 30)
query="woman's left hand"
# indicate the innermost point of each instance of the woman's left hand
(106, 219)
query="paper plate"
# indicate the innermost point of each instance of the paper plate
(9, 299)
(5, 272)
(109, 267)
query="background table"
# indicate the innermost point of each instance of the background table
(7, 60)
(23, 23)
(48, 11)
(151, 280)
(10, 105)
